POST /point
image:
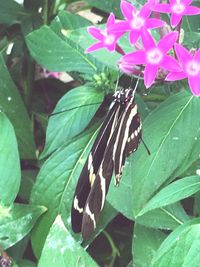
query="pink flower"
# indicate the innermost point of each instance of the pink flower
(177, 8)
(106, 38)
(136, 21)
(153, 56)
(190, 68)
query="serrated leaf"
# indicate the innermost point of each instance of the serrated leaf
(13, 106)
(9, 162)
(172, 193)
(181, 247)
(16, 222)
(79, 106)
(55, 54)
(146, 242)
(62, 250)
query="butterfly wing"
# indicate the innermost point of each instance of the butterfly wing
(91, 167)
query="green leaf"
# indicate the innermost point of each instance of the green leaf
(68, 21)
(107, 6)
(172, 193)
(61, 249)
(26, 263)
(79, 106)
(55, 54)
(11, 12)
(13, 106)
(124, 190)
(181, 247)
(170, 134)
(146, 242)
(16, 222)
(59, 174)
(9, 162)
(72, 33)
(167, 218)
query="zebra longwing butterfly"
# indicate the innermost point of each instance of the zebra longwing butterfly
(119, 136)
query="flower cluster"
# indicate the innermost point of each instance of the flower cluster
(150, 58)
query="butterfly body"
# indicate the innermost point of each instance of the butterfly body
(118, 137)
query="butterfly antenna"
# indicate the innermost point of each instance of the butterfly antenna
(148, 151)
(65, 110)
(117, 83)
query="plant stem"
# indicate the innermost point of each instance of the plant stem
(45, 12)
(115, 251)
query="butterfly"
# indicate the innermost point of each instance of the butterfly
(120, 134)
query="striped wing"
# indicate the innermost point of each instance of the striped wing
(96, 199)
(128, 139)
(91, 167)
(120, 135)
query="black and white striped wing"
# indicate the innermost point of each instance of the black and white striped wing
(91, 167)
(96, 199)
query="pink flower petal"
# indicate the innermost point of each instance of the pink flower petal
(137, 57)
(163, 8)
(94, 47)
(111, 20)
(127, 9)
(197, 55)
(188, 2)
(154, 23)
(166, 43)
(194, 85)
(192, 10)
(95, 32)
(150, 73)
(147, 40)
(175, 19)
(111, 47)
(182, 54)
(175, 76)
(133, 37)
(145, 11)
(121, 26)
(169, 63)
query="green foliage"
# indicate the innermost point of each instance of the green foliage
(41, 156)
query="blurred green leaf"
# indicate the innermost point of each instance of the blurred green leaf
(26, 263)
(172, 193)
(79, 106)
(181, 247)
(9, 162)
(107, 6)
(61, 249)
(13, 106)
(16, 222)
(27, 182)
(11, 12)
(146, 242)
